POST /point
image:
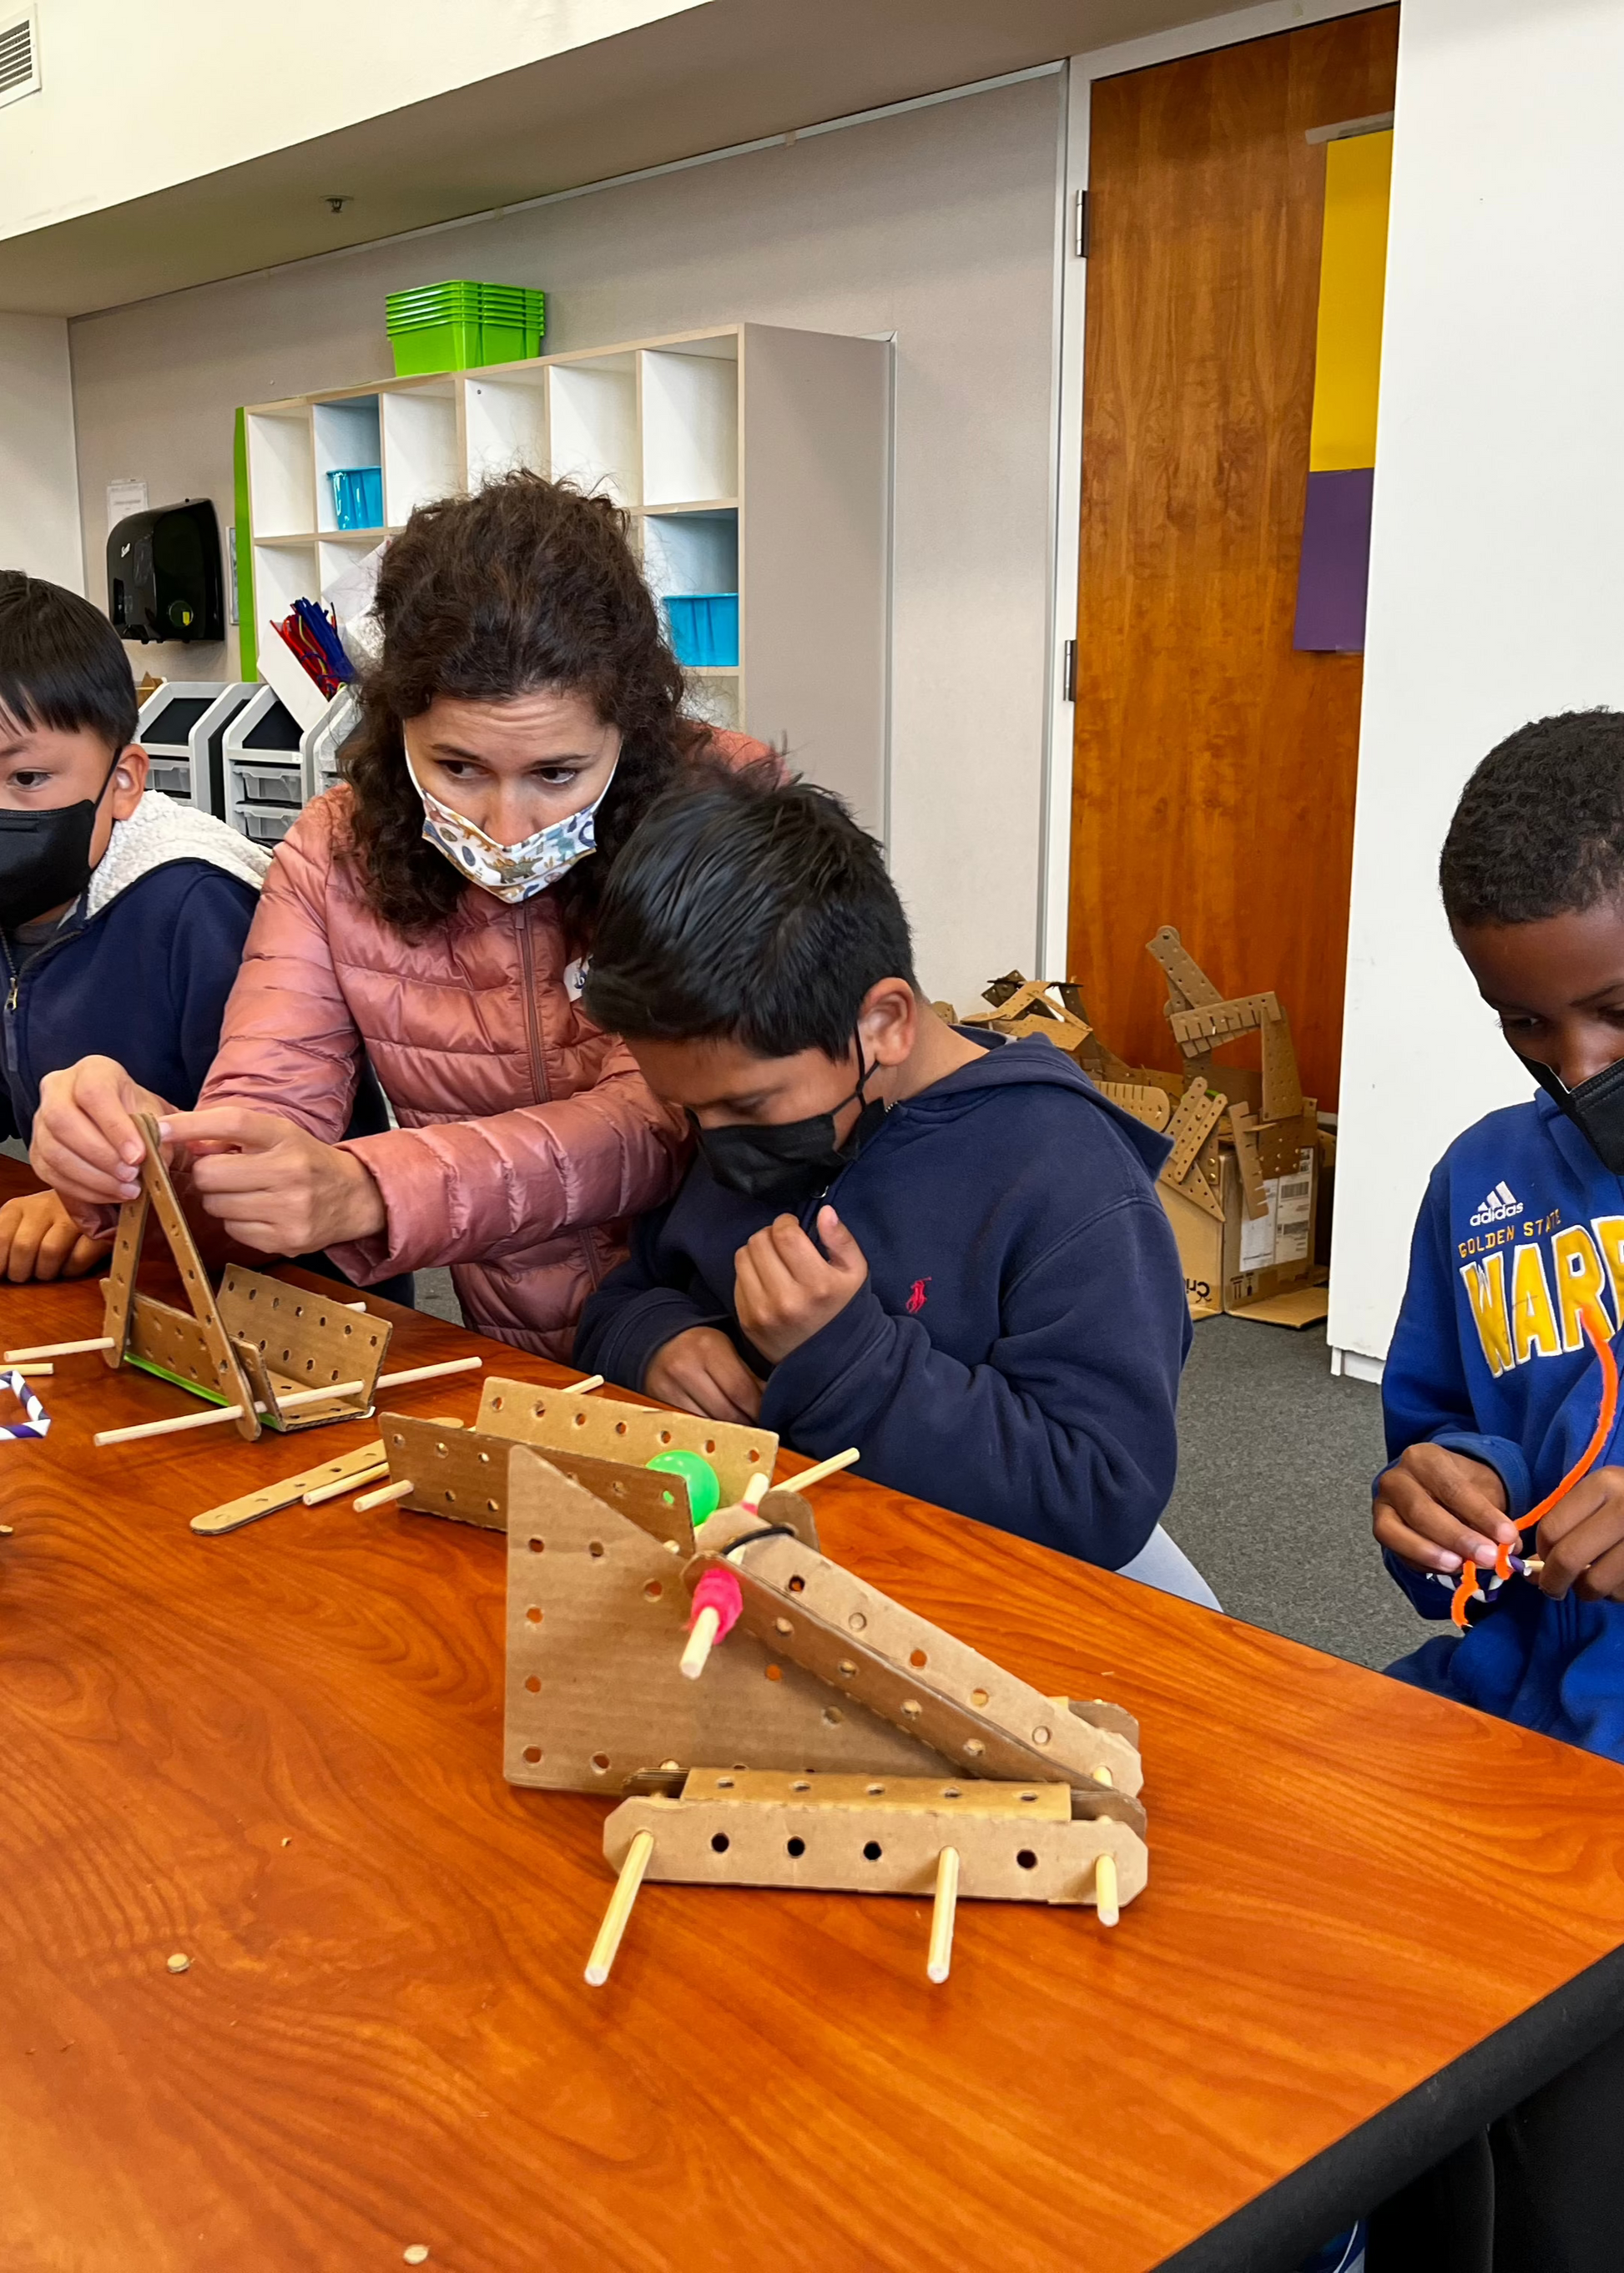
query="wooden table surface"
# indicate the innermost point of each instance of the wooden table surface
(279, 1754)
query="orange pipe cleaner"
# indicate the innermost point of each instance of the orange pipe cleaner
(1469, 1589)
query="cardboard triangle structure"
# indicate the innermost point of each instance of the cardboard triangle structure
(261, 1342)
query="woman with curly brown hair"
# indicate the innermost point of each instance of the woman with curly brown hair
(433, 914)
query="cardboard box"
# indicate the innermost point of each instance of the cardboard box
(1259, 1267)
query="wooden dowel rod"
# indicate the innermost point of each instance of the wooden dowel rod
(216, 1412)
(824, 1468)
(314, 1396)
(1534, 1566)
(592, 1381)
(1100, 1776)
(320, 1494)
(381, 1497)
(427, 1372)
(59, 1349)
(33, 1372)
(753, 1490)
(699, 1642)
(1105, 1889)
(620, 1909)
(940, 1961)
(353, 1306)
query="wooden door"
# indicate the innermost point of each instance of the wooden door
(1214, 778)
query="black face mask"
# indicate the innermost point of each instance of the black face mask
(1596, 1107)
(791, 1161)
(45, 857)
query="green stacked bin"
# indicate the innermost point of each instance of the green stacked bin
(457, 326)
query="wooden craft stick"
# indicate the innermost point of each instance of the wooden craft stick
(385, 1493)
(1105, 1889)
(699, 1644)
(59, 1349)
(608, 1942)
(939, 1963)
(169, 1427)
(318, 1494)
(824, 1468)
(426, 1372)
(231, 1514)
(314, 1396)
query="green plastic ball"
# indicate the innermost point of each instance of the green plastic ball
(705, 1488)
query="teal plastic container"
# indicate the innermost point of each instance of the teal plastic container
(705, 629)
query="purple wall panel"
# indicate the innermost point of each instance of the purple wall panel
(1334, 570)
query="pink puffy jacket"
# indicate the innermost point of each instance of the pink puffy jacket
(527, 1134)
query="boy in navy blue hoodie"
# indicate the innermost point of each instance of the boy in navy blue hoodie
(894, 1235)
(121, 915)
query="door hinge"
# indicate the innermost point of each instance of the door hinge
(1070, 670)
(1079, 241)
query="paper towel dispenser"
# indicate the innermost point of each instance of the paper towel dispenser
(165, 580)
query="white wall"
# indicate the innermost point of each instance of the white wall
(39, 481)
(131, 104)
(1496, 572)
(938, 225)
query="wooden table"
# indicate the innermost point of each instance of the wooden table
(1374, 1920)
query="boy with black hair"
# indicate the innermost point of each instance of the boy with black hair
(1492, 1389)
(122, 914)
(944, 1248)
(1492, 1393)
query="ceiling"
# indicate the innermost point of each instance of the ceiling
(728, 72)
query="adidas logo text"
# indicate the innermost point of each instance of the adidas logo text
(1500, 1203)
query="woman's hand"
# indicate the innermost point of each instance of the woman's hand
(274, 1188)
(1438, 1509)
(700, 1371)
(85, 1142)
(39, 1239)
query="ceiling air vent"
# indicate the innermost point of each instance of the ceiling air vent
(19, 53)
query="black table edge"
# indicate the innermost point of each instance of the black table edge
(1277, 2230)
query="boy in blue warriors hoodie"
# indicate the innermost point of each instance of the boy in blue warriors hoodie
(1493, 1394)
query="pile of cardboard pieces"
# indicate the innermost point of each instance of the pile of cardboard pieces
(1241, 1185)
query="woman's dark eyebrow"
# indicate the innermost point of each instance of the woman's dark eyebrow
(443, 751)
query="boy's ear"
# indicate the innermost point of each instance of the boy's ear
(889, 1021)
(129, 783)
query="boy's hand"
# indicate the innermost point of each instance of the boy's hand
(1437, 1509)
(1583, 1540)
(784, 1291)
(275, 1188)
(700, 1371)
(39, 1239)
(85, 1142)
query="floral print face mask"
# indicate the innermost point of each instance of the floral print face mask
(509, 871)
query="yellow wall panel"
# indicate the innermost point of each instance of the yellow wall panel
(1353, 265)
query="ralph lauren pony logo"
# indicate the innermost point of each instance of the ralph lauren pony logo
(916, 1299)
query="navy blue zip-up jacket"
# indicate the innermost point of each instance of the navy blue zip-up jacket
(1015, 1353)
(144, 981)
(1520, 1236)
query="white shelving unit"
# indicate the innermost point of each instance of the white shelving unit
(751, 459)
